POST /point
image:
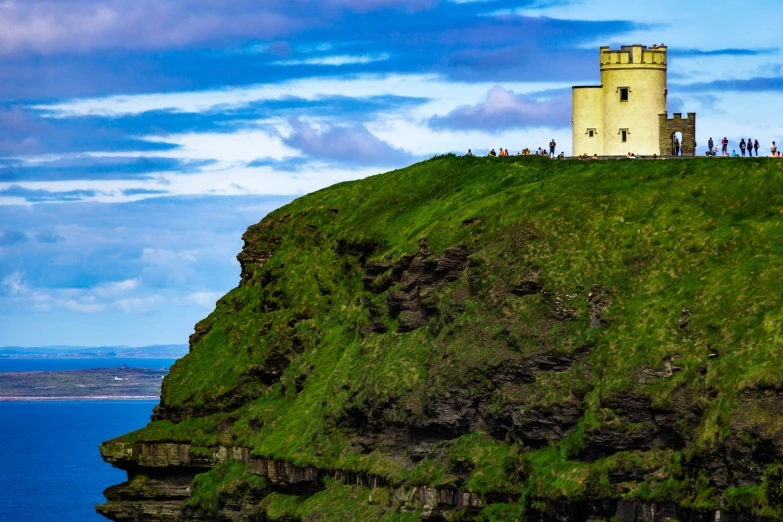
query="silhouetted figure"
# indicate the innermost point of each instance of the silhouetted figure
(470, 152)
(742, 147)
(676, 146)
(552, 147)
(750, 147)
(774, 149)
(725, 143)
(756, 147)
(493, 153)
(711, 145)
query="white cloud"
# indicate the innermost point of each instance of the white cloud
(139, 305)
(364, 85)
(338, 60)
(15, 284)
(81, 307)
(82, 300)
(205, 299)
(715, 25)
(116, 288)
(158, 256)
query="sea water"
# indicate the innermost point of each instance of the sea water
(77, 363)
(50, 467)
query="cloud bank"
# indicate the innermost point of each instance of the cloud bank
(349, 144)
(503, 109)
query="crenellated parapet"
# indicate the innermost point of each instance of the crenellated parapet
(669, 127)
(633, 56)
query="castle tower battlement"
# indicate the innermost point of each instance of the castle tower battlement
(635, 56)
(622, 114)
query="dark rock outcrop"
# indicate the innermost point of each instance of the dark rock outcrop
(642, 426)
(412, 302)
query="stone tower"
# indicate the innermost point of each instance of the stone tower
(622, 115)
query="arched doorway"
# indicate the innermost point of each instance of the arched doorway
(676, 143)
(682, 128)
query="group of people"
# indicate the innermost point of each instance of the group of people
(526, 152)
(750, 146)
(503, 153)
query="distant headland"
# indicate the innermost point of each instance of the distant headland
(163, 351)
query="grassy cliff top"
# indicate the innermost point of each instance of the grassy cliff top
(551, 329)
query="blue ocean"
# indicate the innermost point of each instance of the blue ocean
(50, 468)
(48, 365)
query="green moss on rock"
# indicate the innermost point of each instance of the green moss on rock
(533, 329)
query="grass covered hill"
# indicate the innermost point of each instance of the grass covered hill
(490, 339)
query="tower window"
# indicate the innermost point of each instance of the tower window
(624, 94)
(591, 133)
(624, 135)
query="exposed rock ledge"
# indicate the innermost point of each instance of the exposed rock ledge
(152, 458)
(171, 468)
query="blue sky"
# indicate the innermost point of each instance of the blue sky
(139, 138)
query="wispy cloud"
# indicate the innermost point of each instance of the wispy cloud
(205, 299)
(113, 289)
(286, 164)
(350, 144)
(201, 43)
(12, 237)
(771, 84)
(48, 237)
(43, 195)
(723, 52)
(503, 109)
(143, 192)
(337, 60)
(100, 168)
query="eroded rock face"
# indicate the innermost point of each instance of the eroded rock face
(459, 410)
(641, 426)
(160, 478)
(494, 399)
(414, 303)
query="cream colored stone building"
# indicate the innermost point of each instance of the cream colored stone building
(628, 111)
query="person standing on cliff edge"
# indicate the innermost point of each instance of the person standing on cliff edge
(552, 147)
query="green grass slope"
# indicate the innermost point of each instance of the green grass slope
(529, 328)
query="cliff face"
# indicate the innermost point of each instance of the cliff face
(486, 339)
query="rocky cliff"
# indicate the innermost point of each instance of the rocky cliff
(486, 339)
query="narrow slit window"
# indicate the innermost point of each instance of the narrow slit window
(624, 135)
(624, 94)
(591, 133)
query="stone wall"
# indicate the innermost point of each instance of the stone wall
(668, 126)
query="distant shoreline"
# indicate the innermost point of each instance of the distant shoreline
(98, 384)
(122, 398)
(75, 357)
(159, 351)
